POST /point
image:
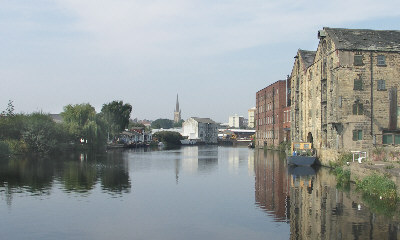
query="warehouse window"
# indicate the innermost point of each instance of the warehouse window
(357, 135)
(358, 84)
(381, 60)
(381, 85)
(358, 108)
(358, 60)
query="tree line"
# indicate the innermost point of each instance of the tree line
(81, 127)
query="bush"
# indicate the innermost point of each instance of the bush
(379, 154)
(378, 187)
(17, 146)
(342, 160)
(4, 149)
(168, 137)
(342, 177)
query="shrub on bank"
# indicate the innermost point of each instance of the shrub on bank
(378, 186)
(4, 149)
(342, 160)
(379, 154)
(169, 137)
(342, 177)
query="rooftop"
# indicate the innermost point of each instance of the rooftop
(203, 120)
(307, 56)
(364, 39)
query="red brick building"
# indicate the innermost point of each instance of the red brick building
(272, 115)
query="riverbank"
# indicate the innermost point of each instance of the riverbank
(391, 170)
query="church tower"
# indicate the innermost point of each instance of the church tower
(177, 112)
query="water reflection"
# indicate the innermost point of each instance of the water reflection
(271, 184)
(199, 158)
(76, 172)
(310, 201)
(302, 202)
(320, 211)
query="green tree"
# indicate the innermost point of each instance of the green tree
(162, 123)
(81, 121)
(9, 111)
(135, 124)
(40, 133)
(11, 126)
(168, 137)
(116, 115)
(178, 124)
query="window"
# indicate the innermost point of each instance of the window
(358, 108)
(381, 60)
(396, 139)
(358, 84)
(381, 85)
(358, 60)
(387, 139)
(357, 135)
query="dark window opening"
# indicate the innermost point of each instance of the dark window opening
(357, 135)
(381, 85)
(381, 60)
(358, 60)
(358, 84)
(358, 108)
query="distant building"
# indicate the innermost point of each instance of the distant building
(177, 112)
(56, 118)
(271, 103)
(251, 113)
(202, 129)
(236, 121)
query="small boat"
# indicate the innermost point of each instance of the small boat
(302, 154)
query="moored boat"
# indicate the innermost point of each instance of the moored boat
(302, 154)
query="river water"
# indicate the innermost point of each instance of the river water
(197, 192)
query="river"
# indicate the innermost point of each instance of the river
(196, 192)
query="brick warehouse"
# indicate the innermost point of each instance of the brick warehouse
(271, 108)
(345, 95)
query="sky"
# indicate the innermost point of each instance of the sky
(216, 54)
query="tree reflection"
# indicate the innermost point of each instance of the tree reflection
(114, 174)
(76, 172)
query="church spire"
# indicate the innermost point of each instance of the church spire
(177, 112)
(177, 104)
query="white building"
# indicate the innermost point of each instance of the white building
(201, 129)
(236, 121)
(251, 113)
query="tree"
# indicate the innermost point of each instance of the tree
(135, 124)
(81, 121)
(179, 124)
(40, 133)
(9, 112)
(162, 123)
(168, 137)
(116, 115)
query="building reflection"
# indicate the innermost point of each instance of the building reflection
(201, 159)
(271, 184)
(318, 210)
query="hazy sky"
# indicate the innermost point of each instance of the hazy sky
(214, 54)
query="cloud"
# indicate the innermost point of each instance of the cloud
(210, 27)
(100, 50)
